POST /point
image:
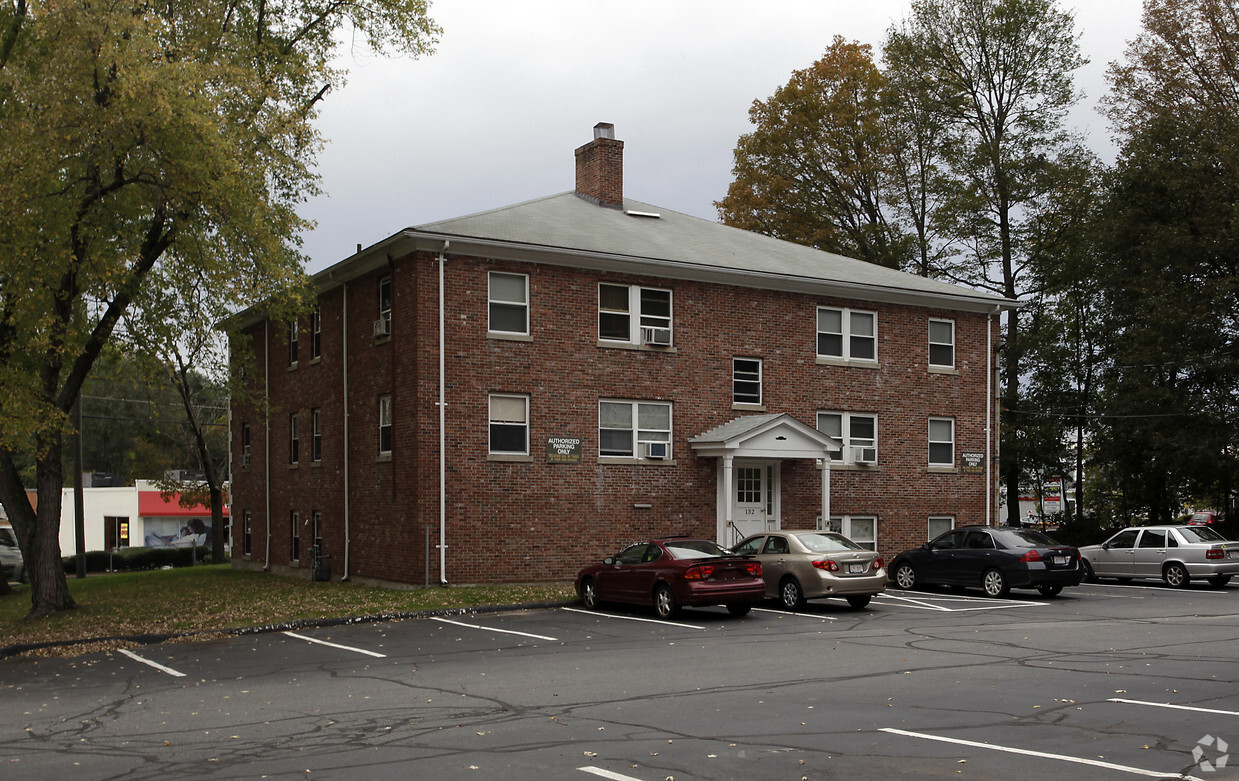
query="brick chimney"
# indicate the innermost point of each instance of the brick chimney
(600, 168)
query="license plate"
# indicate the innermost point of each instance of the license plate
(1060, 561)
(856, 569)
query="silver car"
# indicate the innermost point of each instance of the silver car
(800, 565)
(11, 564)
(1175, 554)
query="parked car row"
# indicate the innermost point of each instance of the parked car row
(795, 566)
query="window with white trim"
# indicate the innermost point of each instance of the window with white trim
(942, 442)
(634, 314)
(746, 377)
(509, 424)
(385, 431)
(857, 431)
(316, 334)
(942, 344)
(294, 440)
(316, 435)
(940, 524)
(846, 334)
(294, 520)
(629, 428)
(292, 344)
(508, 301)
(247, 533)
(385, 304)
(860, 529)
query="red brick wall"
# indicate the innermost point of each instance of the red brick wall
(533, 521)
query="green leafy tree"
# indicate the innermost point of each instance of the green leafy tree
(1172, 261)
(147, 148)
(997, 76)
(815, 169)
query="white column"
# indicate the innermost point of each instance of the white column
(726, 540)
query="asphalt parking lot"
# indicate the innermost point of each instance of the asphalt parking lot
(1103, 682)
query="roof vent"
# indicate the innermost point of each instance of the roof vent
(631, 213)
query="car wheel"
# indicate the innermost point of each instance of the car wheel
(995, 584)
(1217, 581)
(1050, 591)
(905, 576)
(1089, 575)
(1175, 575)
(589, 594)
(664, 602)
(858, 601)
(790, 594)
(737, 611)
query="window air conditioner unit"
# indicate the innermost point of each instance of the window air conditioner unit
(865, 455)
(657, 450)
(245, 459)
(382, 327)
(657, 336)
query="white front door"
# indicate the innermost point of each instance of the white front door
(754, 499)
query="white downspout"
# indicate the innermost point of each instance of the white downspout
(826, 491)
(442, 428)
(344, 351)
(266, 414)
(989, 420)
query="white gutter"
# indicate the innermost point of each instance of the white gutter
(266, 414)
(344, 351)
(442, 428)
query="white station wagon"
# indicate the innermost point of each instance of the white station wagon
(1175, 554)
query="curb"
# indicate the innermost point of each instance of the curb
(308, 623)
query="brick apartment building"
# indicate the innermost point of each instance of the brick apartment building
(505, 396)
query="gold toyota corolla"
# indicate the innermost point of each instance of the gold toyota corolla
(801, 565)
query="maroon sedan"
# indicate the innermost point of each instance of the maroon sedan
(671, 573)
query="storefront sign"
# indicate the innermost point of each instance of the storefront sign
(563, 450)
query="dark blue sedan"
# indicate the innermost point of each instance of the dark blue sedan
(994, 558)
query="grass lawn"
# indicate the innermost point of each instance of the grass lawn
(200, 599)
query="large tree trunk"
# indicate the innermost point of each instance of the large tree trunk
(49, 589)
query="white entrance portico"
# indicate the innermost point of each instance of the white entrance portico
(750, 450)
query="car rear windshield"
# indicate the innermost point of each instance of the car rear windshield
(6, 538)
(1200, 534)
(825, 543)
(1027, 538)
(695, 549)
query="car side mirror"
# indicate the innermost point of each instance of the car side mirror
(609, 560)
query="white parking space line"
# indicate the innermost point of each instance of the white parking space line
(630, 618)
(794, 613)
(1030, 753)
(493, 629)
(597, 771)
(156, 665)
(1175, 707)
(1163, 589)
(308, 639)
(931, 603)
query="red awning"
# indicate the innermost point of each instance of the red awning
(152, 504)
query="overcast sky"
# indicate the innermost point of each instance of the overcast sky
(493, 116)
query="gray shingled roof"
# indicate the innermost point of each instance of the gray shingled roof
(569, 222)
(735, 428)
